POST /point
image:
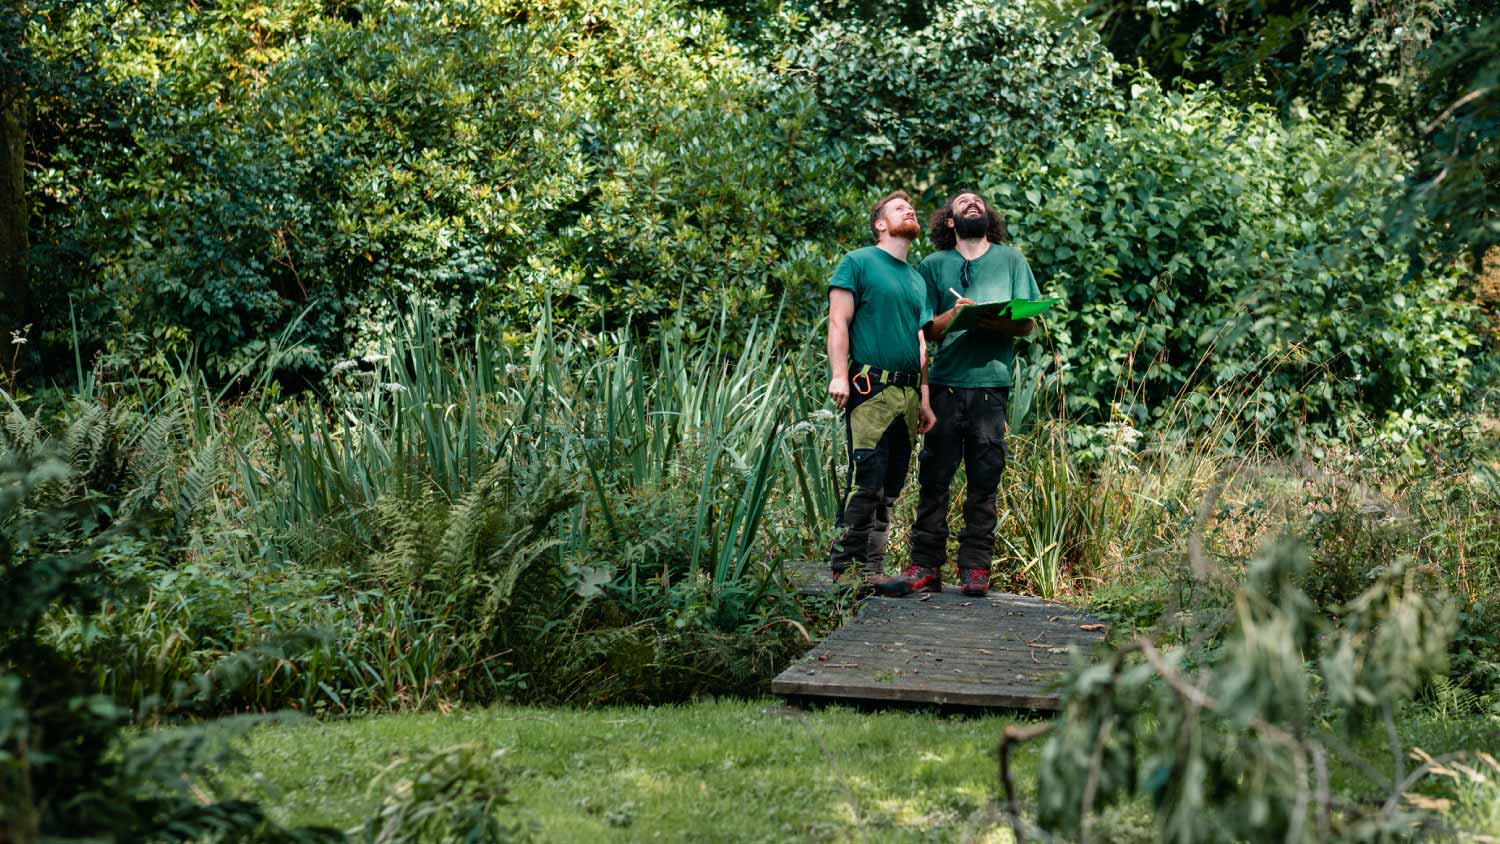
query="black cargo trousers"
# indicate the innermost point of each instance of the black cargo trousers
(970, 429)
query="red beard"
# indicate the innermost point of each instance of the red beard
(909, 230)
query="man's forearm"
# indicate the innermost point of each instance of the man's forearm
(939, 325)
(838, 349)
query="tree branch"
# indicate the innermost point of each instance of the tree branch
(1016, 734)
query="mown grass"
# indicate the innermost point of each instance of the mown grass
(730, 771)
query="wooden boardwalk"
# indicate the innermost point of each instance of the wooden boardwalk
(946, 649)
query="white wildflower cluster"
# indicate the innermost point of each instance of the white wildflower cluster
(344, 366)
(1118, 437)
(1122, 432)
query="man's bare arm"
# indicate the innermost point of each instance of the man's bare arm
(840, 313)
(925, 417)
(939, 325)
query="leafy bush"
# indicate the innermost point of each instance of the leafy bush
(1198, 245)
(67, 768)
(933, 105)
(625, 161)
(283, 193)
(1232, 744)
(452, 794)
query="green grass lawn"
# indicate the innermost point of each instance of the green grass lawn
(725, 771)
(729, 771)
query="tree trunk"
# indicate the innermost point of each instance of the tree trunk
(15, 246)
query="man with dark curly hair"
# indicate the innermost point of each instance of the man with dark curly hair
(878, 307)
(971, 379)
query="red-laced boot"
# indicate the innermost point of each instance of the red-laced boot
(913, 578)
(974, 582)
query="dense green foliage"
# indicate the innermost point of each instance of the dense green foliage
(1196, 244)
(429, 354)
(1458, 178)
(1419, 76)
(1355, 62)
(625, 161)
(209, 181)
(1235, 745)
(67, 767)
(931, 106)
(460, 529)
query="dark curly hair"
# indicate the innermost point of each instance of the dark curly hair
(944, 237)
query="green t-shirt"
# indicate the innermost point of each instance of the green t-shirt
(975, 358)
(890, 307)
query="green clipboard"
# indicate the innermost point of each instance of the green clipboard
(969, 315)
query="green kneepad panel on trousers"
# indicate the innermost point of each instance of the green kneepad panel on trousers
(869, 419)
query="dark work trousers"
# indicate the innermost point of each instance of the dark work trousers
(879, 431)
(970, 428)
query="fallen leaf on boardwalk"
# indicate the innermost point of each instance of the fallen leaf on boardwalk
(823, 657)
(983, 651)
(1091, 628)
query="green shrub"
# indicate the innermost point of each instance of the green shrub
(1198, 245)
(452, 794)
(1235, 743)
(625, 161)
(931, 106)
(67, 768)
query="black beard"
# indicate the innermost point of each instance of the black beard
(970, 228)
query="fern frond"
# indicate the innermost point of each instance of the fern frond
(23, 436)
(152, 449)
(197, 484)
(523, 549)
(461, 541)
(507, 566)
(408, 529)
(84, 439)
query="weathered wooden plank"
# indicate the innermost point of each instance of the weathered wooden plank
(977, 651)
(845, 662)
(946, 648)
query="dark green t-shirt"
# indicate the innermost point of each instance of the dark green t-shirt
(975, 358)
(890, 307)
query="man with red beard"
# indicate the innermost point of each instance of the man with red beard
(971, 379)
(877, 310)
